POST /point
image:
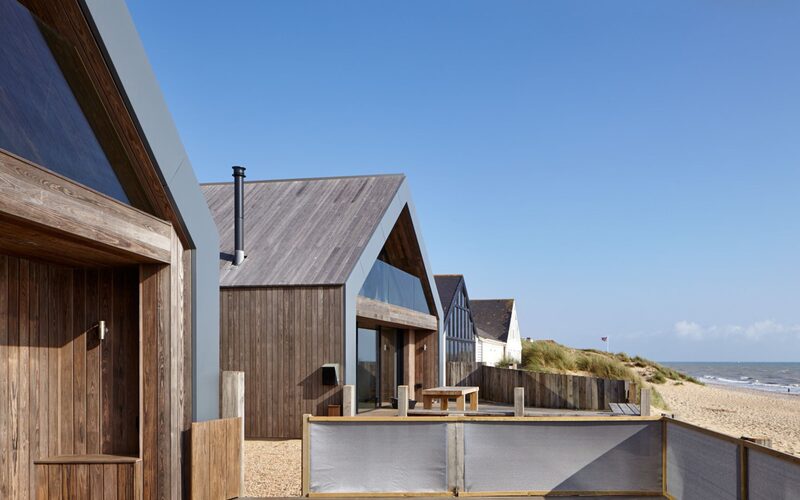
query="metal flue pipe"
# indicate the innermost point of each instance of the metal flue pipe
(238, 214)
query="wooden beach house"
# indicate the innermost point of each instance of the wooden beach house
(108, 263)
(324, 282)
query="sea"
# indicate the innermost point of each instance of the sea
(771, 377)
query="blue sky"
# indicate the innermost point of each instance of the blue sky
(621, 168)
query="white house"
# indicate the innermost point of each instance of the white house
(497, 330)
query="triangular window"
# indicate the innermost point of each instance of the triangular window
(48, 106)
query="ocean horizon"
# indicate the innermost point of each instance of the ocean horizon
(767, 376)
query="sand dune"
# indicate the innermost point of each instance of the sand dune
(738, 412)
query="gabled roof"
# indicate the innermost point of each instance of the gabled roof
(492, 317)
(300, 231)
(447, 285)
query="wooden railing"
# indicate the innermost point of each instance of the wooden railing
(215, 462)
(542, 390)
(94, 477)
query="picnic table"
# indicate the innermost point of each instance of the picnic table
(445, 393)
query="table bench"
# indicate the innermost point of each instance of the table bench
(444, 393)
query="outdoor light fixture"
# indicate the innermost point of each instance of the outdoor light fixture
(101, 329)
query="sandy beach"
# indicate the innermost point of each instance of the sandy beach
(738, 412)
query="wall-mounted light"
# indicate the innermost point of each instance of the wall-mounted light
(425, 347)
(102, 329)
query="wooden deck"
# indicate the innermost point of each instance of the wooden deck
(487, 408)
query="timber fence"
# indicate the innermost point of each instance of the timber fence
(542, 390)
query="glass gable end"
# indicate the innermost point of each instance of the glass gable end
(389, 284)
(41, 119)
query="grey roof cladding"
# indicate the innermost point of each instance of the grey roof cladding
(300, 231)
(492, 317)
(447, 285)
(117, 37)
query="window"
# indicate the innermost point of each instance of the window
(45, 98)
(389, 284)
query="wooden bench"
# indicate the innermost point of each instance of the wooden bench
(444, 393)
(106, 477)
(625, 409)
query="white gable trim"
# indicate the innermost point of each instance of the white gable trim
(362, 268)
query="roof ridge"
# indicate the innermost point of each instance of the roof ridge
(300, 179)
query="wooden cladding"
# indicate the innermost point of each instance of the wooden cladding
(65, 392)
(165, 373)
(280, 338)
(91, 477)
(215, 459)
(392, 315)
(62, 390)
(42, 209)
(387, 349)
(426, 344)
(542, 390)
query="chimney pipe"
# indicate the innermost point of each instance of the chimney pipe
(238, 214)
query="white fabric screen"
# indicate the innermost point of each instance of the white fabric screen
(770, 477)
(378, 457)
(562, 456)
(700, 466)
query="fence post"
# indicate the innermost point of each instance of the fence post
(762, 440)
(644, 402)
(349, 404)
(402, 400)
(519, 401)
(233, 407)
(455, 457)
(744, 486)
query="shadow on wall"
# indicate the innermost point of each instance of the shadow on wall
(324, 395)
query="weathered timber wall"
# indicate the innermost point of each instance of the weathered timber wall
(542, 390)
(280, 337)
(215, 459)
(62, 390)
(96, 477)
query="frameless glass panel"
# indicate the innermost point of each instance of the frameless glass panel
(389, 284)
(367, 368)
(40, 117)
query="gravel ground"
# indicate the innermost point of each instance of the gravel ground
(272, 468)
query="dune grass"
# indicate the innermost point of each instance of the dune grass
(506, 362)
(551, 357)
